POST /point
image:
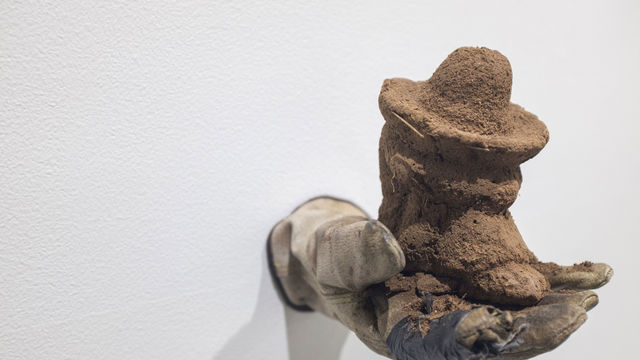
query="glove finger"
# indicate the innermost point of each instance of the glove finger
(353, 255)
(583, 276)
(542, 328)
(486, 325)
(586, 299)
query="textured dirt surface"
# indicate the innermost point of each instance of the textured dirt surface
(431, 297)
(449, 165)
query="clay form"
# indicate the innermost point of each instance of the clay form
(450, 153)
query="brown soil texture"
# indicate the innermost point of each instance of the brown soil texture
(430, 297)
(550, 269)
(450, 152)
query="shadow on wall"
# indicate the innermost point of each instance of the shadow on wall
(310, 336)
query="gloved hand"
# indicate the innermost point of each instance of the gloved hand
(325, 255)
(329, 256)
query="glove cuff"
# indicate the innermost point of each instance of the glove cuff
(406, 342)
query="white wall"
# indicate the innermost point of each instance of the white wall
(147, 149)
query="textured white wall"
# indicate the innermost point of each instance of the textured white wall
(147, 149)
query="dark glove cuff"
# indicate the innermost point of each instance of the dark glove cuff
(406, 342)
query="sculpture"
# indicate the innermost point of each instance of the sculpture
(428, 279)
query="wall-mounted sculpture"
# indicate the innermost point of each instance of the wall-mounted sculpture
(443, 273)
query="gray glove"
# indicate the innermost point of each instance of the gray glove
(325, 255)
(329, 256)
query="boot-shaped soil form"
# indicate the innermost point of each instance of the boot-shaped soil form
(449, 154)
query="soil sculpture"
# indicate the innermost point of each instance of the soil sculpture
(449, 154)
(443, 273)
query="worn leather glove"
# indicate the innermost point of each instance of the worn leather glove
(329, 256)
(325, 255)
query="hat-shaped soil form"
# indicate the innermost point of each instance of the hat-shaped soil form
(467, 102)
(449, 165)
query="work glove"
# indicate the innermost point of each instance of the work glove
(329, 256)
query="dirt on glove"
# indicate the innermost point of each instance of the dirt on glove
(450, 152)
